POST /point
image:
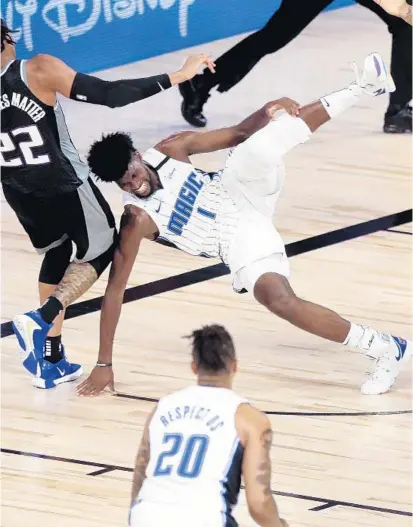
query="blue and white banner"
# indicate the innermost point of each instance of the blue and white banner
(96, 34)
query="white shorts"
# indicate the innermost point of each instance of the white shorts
(254, 177)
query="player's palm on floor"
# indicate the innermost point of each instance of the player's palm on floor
(99, 379)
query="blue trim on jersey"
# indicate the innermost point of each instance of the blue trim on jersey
(232, 482)
(206, 213)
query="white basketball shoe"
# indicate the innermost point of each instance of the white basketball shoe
(387, 366)
(375, 79)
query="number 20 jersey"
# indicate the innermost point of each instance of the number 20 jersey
(195, 455)
(36, 152)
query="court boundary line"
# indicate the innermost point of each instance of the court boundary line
(326, 503)
(203, 274)
(121, 395)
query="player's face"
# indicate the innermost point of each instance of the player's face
(137, 179)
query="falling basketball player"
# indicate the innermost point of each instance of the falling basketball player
(229, 214)
(50, 189)
(196, 445)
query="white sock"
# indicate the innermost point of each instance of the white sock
(339, 101)
(367, 339)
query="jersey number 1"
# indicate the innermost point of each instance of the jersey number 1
(189, 457)
(7, 144)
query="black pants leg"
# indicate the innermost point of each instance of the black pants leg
(401, 56)
(286, 23)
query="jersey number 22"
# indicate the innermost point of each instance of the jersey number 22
(186, 457)
(34, 139)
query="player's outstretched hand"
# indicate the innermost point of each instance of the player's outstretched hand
(193, 64)
(99, 379)
(290, 106)
(398, 8)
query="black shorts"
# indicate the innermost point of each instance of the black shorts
(82, 215)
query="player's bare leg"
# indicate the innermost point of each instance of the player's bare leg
(273, 290)
(275, 293)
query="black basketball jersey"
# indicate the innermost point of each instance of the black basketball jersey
(36, 152)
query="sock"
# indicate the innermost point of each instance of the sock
(367, 339)
(50, 309)
(52, 351)
(339, 101)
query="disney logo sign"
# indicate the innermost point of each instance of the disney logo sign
(55, 15)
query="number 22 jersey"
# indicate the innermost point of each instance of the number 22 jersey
(36, 152)
(194, 472)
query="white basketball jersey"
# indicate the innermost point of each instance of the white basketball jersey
(195, 455)
(187, 210)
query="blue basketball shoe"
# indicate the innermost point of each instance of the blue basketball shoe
(49, 375)
(31, 332)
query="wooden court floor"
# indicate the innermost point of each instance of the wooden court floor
(339, 458)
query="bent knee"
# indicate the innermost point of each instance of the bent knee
(274, 292)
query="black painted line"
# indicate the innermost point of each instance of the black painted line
(297, 414)
(275, 492)
(64, 459)
(101, 471)
(399, 232)
(342, 503)
(323, 507)
(339, 414)
(136, 397)
(214, 271)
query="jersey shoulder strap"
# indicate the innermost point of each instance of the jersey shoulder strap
(155, 158)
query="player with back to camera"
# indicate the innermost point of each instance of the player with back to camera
(229, 214)
(196, 445)
(49, 188)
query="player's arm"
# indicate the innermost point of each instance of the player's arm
(136, 224)
(399, 8)
(184, 144)
(50, 75)
(255, 431)
(142, 460)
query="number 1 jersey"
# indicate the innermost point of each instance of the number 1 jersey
(195, 456)
(36, 152)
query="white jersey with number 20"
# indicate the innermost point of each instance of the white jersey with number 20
(194, 472)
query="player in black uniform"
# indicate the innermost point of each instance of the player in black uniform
(49, 188)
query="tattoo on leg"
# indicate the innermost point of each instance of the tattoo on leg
(263, 476)
(76, 281)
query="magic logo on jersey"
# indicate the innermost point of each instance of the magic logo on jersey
(184, 205)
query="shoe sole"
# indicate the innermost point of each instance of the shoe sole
(43, 384)
(395, 130)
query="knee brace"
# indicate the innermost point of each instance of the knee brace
(55, 263)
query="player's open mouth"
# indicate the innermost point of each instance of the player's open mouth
(143, 189)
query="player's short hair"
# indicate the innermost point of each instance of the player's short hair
(109, 157)
(212, 349)
(6, 34)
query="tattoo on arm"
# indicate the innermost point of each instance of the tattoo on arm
(263, 476)
(78, 278)
(141, 463)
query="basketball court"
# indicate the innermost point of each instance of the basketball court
(339, 458)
